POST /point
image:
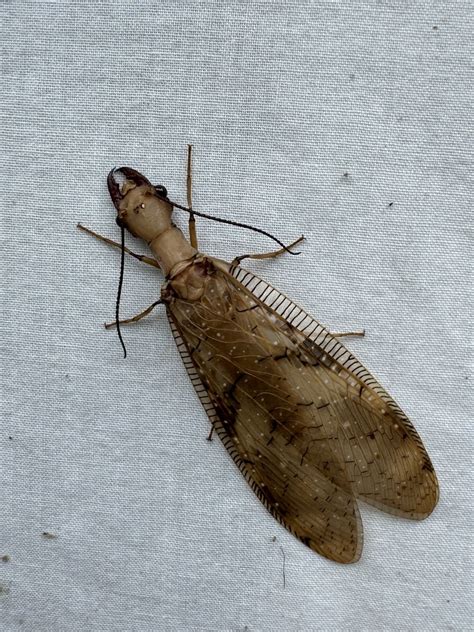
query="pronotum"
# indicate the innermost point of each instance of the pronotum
(311, 430)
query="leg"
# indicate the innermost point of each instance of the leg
(189, 194)
(192, 231)
(143, 258)
(209, 436)
(348, 333)
(266, 255)
(136, 318)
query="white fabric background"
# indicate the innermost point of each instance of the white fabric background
(156, 528)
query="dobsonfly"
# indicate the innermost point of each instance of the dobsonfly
(308, 426)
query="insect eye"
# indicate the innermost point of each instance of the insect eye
(161, 190)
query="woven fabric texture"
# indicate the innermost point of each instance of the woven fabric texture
(345, 121)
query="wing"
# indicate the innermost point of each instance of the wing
(307, 428)
(297, 493)
(385, 459)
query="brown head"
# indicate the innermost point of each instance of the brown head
(142, 208)
(145, 210)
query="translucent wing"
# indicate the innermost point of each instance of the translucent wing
(309, 428)
(384, 457)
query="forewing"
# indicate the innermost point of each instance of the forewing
(384, 458)
(262, 419)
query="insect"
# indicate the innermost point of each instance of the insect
(311, 430)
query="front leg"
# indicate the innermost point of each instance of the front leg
(267, 255)
(144, 258)
(189, 194)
